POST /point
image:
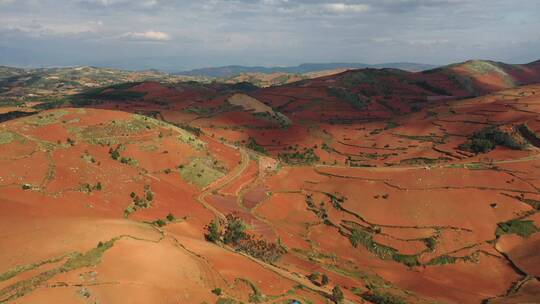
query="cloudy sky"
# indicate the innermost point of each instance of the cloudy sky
(184, 34)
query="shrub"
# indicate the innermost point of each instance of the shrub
(314, 278)
(521, 228)
(149, 196)
(478, 145)
(443, 260)
(213, 232)
(337, 294)
(360, 237)
(234, 234)
(307, 156)
(255, 146)
(114, 154)
(431, 243)
(324, 279)
(259, 248)
(382, 298)
(159, 223)
(409, 260)
(234, 231)
(170, 217)
(216, 291)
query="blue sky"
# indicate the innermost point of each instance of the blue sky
(184, 34)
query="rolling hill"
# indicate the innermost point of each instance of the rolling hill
(382, 185)
(234, 70)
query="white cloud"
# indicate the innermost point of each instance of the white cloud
(428, 42)
(148, 35)
(343, 8)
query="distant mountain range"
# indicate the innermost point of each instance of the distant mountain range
(233, 70)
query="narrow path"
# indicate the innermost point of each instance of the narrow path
(223, 182)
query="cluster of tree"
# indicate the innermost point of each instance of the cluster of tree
(269, 252)
(144, 201)
(307, 156)
(89, 188)
(255, 146)
(162, 222)
(115, 154)
(318, 279)
(232, 232)
(356, 100)
(487, 139)
(337, 295)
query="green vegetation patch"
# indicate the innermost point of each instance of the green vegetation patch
(361, 237)
(212, 111)
(275, 117)
(424, 138)
(306, 156)
(485, 67)
(6, 137)
(75, 260)
(163, 222)
(423, 161)
(88, 188)
(23, 268)
(232, 232)
(192, 140)
(519, 227)
(115, 154)
(255, 146)
(448, 259)
(379, 290)
(201, 172)
(191, 129)
(382, 298)
(488, 138)
(529, 135)
(531, 202)
(471, 166)
(47, 118)
(114, 92)
(354, 99)
(89, 258)
(105, 133)
(149, 148)
(140, 202)
(226, 301)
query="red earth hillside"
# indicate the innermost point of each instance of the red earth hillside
(211, 193)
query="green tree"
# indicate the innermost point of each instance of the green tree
(337, 294)
(324, 279)
(213, 232)
(235, 230)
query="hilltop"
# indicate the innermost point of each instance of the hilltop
(235, 70)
